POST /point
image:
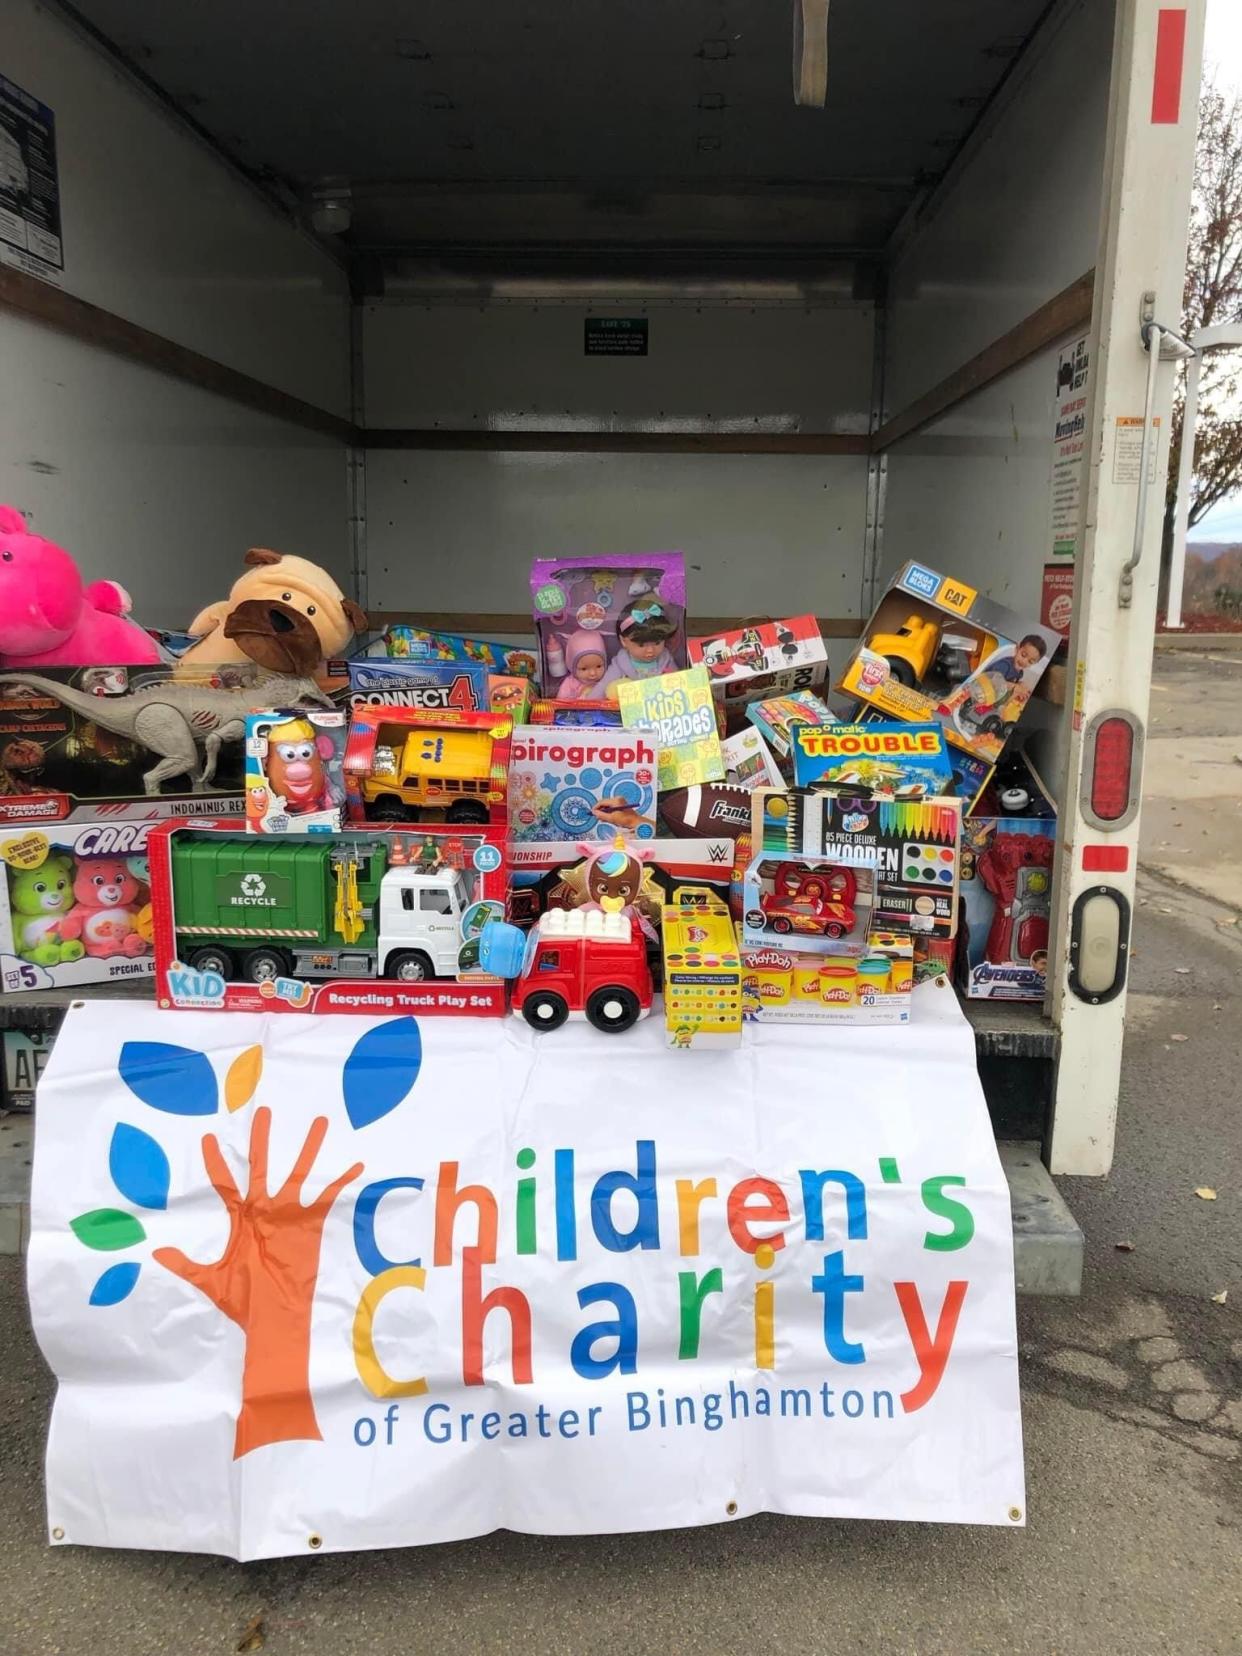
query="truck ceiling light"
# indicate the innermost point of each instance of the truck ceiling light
(810, 53)
(1112, 762)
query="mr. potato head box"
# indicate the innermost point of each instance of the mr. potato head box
(295, 781)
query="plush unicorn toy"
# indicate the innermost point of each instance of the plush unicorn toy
(47, 617)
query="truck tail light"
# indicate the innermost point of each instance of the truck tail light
(1099, 944)
(1112, 765)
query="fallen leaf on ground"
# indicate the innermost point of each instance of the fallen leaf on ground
(1217, 1007)
(1231, 921)
(1182, 971)
(1219, 1299)
(254, 1637)
(1205, 1193)
(1124, 1247)
(1179, 1037)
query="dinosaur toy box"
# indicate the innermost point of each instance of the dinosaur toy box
(75, 905)
(76, 743)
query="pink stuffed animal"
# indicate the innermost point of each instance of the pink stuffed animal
(47, 617)
(105, 914)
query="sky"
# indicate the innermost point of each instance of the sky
(1222, 52)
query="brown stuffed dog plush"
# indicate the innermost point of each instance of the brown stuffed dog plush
(284, 613)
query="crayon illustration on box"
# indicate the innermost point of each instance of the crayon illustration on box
(294, 778)
(582, 784)
(75, 905)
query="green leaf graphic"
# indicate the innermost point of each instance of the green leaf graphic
(107, 1229)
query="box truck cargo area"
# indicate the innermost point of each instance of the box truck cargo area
(424, 291)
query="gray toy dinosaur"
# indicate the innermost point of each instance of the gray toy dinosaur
(175, 719)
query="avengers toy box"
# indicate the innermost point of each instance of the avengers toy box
(70, 748)
(1008, 845)
(936, 649)
(75, 905)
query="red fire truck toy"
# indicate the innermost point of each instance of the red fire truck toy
(816, 902)
(581, 963)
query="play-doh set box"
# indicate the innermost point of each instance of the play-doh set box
(763, 659)
(74, 905)
(369, 921)
(607, 621)
(916, 847)
(295, 780)
(406, 764)
(935, 649)
(1008, 847)
(582, 783)
(77, 742)
(870, 985)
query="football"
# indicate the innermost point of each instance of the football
(707, 811)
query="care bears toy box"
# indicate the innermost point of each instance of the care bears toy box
(936, 649)
(75, 905)
(581, 783)
(295, 783)
(608, 620)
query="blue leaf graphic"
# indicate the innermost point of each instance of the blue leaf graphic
(115, 1284)
(138, 1166)
(381, 1069)
(174, 1079)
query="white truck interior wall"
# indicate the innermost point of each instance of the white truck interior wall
(155, 484)
(970, 494)
(1021, 218)
(143, 477)
(763, 534)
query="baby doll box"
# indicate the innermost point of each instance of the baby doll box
(935, 648)
(75, 905)
(614, 617)
(69, 752)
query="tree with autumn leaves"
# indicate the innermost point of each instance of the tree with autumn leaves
(1212, 295)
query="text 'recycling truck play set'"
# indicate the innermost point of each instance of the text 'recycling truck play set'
(444, 824)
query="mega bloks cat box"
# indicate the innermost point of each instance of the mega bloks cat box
(74, 905)
(935, 648)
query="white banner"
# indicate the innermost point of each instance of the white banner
(328, 1283)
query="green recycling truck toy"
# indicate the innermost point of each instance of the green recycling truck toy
(249, 909)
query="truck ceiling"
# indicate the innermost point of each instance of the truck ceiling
(545, 126)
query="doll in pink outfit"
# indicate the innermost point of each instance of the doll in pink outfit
(585, 661)
(644, 628)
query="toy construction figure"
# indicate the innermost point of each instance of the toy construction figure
(994, 696)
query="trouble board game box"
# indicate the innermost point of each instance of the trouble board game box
(916, 847)
(873, 761)
(576, 783)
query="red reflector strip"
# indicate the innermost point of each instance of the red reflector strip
(1105, 859)
(1166, 85)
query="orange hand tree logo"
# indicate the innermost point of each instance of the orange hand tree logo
(264, 1281)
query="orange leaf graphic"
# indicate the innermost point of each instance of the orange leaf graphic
(243, 1078)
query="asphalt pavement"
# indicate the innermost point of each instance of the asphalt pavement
(1132, 1405)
